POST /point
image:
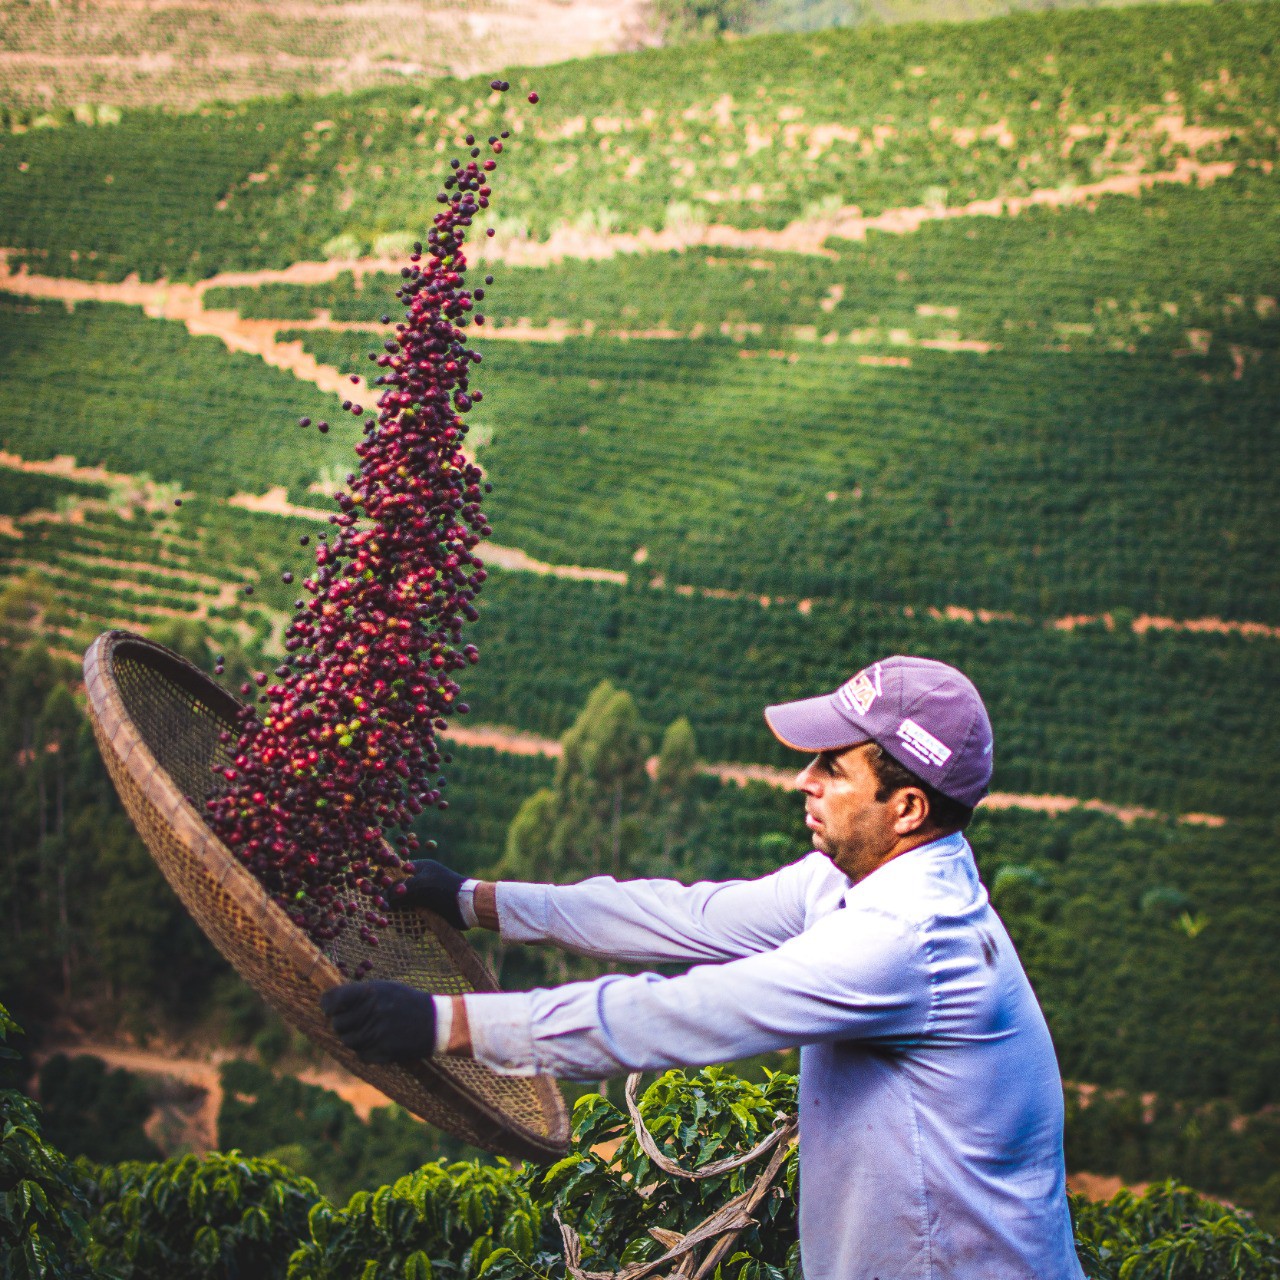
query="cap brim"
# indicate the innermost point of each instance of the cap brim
(813, 724)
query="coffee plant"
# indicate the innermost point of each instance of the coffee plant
(1169, 1232)
(951, 280)
(452, 1220)
(221, 1216)
(612, 1193)
(1088, 712)
(607, 447)
(42, 1209)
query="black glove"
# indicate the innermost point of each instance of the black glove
(382, 1021)
(434, 886)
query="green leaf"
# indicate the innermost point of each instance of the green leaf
(380, 1206)
(520, 1233)
(498, 1255)
(320, 1222)
(478, 1254)
(206, 1246)
(417, 1266)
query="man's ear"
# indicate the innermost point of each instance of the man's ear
(912, 810)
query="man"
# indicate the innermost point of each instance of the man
(930, 1101)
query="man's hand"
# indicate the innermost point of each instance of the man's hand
(382, 1022)
(434, 886)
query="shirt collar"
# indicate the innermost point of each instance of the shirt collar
(921, 863)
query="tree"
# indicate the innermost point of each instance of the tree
(613, 783)
(691, 19)
(529, 838)
(589, 821)
(674, 781)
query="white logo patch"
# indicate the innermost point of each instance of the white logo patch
(922, 744)
(859, 693)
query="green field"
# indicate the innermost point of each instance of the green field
(113, 386)
(1161, 720)
(751, 133)
(1100, 457)
(1119, 411)
(1122, 479)
(1123, 273)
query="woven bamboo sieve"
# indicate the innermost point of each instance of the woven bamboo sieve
(157, 719)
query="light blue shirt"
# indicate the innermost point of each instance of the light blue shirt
(930, 1100)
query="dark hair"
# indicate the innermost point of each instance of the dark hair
(891, 775)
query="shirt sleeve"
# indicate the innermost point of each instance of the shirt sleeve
(652, 921)
(855, 975)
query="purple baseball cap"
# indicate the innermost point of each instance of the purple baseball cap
(925, 714)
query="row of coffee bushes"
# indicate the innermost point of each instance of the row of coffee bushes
(1122, 271)
(754, 133)
(1075, 482)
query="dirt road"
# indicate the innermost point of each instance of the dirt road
(193, 1123)
(516, 742)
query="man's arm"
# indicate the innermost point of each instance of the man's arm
(853, 976)
(643, 920)
(651, 921)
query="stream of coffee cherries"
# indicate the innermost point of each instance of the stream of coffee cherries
(327, 777)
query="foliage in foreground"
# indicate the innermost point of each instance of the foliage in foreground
(456, 1219)
(42, 1227)
(696, 1118)
(220, 1215)
(224, 1216)
(1170, 1233)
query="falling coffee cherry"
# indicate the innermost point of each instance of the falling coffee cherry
(326, 774)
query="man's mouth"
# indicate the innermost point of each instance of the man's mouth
(810, 821)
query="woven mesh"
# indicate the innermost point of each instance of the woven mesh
(157, 719)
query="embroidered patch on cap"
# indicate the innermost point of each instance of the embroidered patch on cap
(859, 693)
(922, 744)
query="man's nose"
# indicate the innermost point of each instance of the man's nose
(807, 779)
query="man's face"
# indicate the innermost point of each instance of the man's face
(854, 829)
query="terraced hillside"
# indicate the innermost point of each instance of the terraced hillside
(753, 134)
(1026, 442)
